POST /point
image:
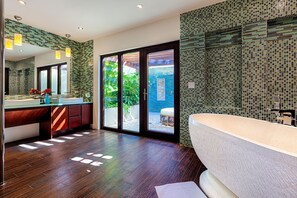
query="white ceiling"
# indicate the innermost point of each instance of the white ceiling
(25, 51)
(97, 17)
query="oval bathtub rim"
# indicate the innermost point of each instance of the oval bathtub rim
(282, 151)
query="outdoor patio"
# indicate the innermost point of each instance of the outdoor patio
(154, 124)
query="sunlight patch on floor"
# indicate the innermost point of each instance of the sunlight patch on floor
(77, 159)
(90, 161)
(77, 135)
(57, 140)
(107, 157)
(86, 161)
(43, 143)
(98, 155)
(67, 137)
(28, 146)
(96, 163)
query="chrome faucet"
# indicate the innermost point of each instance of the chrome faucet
(286, 117)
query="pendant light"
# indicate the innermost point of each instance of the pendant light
(68, 49)
(18, 38)
(9, 44)
(58, 54)
(68, 52)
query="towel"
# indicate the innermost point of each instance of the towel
(179, 190)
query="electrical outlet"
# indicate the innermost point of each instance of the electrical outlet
(191, 85)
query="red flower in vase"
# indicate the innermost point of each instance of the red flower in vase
(34, 91)
(47, 91)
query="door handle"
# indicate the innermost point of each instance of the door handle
(144, 94)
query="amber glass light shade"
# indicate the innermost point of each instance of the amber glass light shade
(9, 44)
(18, 39)
(68, 52)
(58, 54)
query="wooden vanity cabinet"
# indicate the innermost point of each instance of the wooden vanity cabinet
(56, 121)
(59, 118)
(75, 116)
(66, 117)
(87, 114)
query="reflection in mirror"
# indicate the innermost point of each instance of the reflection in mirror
(53, 77)
(29, 66)
(20, 66)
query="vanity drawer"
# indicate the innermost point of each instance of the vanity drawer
(74, 122)
(74, 110)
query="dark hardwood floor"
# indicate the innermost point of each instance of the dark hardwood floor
(136, 167)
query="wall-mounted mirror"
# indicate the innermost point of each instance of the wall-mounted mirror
(29, 66)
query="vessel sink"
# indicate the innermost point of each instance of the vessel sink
(23, 102)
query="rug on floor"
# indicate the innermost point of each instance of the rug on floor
(180, 190)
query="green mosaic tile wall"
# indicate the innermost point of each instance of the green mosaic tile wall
(223, 76)
(81, 67)
(268, 55)
(21, 76)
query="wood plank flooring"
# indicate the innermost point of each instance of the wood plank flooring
(131, 166)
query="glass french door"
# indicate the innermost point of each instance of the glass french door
(110, 91)
(161, 91)
(140, 91)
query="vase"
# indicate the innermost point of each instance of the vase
(47, 99)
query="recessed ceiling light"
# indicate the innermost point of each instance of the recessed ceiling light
(18, 18)
(21, 50)
(80, 28)
(22, 2)
(140, 6)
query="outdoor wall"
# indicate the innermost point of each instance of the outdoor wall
(241, 54)
(166, 100)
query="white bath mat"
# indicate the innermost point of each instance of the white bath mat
(179, 190)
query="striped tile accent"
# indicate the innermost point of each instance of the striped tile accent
(254, 31)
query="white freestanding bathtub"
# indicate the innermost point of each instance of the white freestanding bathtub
(252, 158)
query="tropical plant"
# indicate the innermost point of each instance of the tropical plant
(130, 88)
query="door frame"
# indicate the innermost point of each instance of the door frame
(143, 131)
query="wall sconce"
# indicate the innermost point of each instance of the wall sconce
(68, 52)
(58, 54)
(9, 44)
(18, 39)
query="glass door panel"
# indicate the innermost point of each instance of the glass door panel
(64, 83)
(43, 79)
(160, 91)
(110, 88)
(130, 92)
(54, 79)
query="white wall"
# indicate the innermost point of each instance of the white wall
(21, 132)
(162, 31)
(49, 59)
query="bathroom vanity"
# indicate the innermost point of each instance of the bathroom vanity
(53, 119)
